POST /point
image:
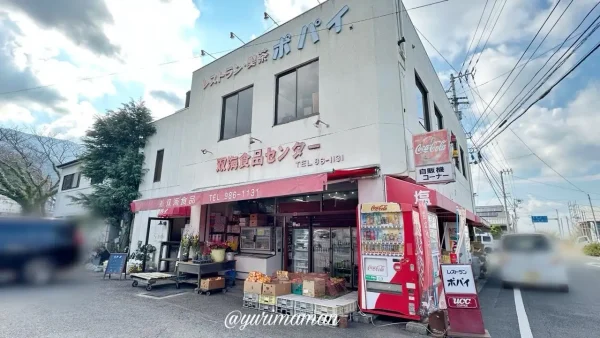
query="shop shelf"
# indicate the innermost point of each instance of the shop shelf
(267, 307)
(251, 297)
(250, 304)
(284, 310)
(304, 307)
(269, 300)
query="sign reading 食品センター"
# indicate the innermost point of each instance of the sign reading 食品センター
(432, 157)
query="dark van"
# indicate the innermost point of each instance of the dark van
(35, 249)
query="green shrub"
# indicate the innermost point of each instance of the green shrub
(592, 249)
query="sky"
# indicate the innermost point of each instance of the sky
(63, 62)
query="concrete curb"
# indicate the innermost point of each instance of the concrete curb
(481, 284)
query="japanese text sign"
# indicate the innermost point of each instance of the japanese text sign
(458, 279)
(431, 148)
(436, 173)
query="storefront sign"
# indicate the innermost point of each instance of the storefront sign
(253, 60)
(436, 173)
(282, 187)
(281, 48)
(464, 313)
(272, 155)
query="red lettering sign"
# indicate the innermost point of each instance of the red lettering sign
(382, 207)
(464, 302)
(431, 148)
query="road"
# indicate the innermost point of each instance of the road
(92, 307)
(528, 313)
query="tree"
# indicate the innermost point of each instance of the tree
(28, 167)
(113, 161)
(496, 231)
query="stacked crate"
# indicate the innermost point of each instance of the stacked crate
(251, 300)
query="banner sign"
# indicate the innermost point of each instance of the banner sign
(433, 163)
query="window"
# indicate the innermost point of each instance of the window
(439, 118)
(462, 162)
(237, 114)
(71, 181)
(297, 93)
(158, 165)
(422, 105)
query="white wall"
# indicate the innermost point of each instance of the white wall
(64, 206)
(367, 95)
(8, 206)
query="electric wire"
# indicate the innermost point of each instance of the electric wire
(166, 63)
(482, 32)
(490, 34)
(520, 58)
(474, 35)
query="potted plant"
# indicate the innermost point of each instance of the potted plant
(217, 251)
(185, 247)
(206, 254)
(194, 242)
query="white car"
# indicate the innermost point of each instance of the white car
(533, 260)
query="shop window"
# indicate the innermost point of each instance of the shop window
(302, 203)
(297, 93)
(439, 118)
(158, 165)
(237, 114)
(71, 181)
(340, 200)
(462, 162)
(422, 104)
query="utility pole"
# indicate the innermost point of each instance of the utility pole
(502, 172)
(568, 226)
(594, 218)
(558, 223)
(516, 203)
(454, 100)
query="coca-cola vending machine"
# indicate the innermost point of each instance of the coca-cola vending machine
(398, 264)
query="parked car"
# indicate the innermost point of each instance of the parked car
(582, 241)
(488, 242)
(532, 259)
(35, 249)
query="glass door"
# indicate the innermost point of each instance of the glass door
(298, 255)
(321, 243)
(247, 239)
(354, 258)
(341, 244)
(263, 239)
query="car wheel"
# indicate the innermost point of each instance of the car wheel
(39, 271)
(564, 288)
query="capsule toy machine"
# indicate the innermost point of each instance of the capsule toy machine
(388, 276)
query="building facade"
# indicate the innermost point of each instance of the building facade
(338, 91)
(494, 215)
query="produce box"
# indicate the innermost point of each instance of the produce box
(258, 223)
(212, 283)
(297, 288)
(314, 288)
(277, 289)
(282, 275)
(253, 287)
(257, 217)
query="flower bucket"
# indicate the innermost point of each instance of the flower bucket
(217, 255)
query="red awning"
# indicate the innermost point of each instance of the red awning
(351, 173)
(184, 211)
(400, 191)
(282, 187)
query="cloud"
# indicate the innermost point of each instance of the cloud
(14, 77)
(81, 21)
(168, 97)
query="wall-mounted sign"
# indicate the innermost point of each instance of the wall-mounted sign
(432, 157)
(271, 155)
(282, 47)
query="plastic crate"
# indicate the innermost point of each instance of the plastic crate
(285, 303)
(349, 308)
(250, 304)
(269, 300)
(304, 307)
(252, 297)
(267, 307)
(300, 312)
(329, 310)
(297, 288)
(284, 310)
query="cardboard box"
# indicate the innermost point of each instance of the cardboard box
(212, 283)
(253, 287)
(258, 217)
(314, 288)
(258, 223)
(277, 289)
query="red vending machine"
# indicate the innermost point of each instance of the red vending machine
(398, 261)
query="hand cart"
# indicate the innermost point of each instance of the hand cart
(151, 279)
(184, 269)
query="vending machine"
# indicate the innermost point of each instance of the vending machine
(398, 260)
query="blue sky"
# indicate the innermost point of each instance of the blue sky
(40, 49)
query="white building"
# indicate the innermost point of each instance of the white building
(9, 207)
(339, 88)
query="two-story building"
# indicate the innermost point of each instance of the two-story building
(302, 124)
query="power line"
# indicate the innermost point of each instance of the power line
(440, 54)
(521, 58)
(530, 58)
(491, 31)
(214, 53)
(482, 32)
(474, 35)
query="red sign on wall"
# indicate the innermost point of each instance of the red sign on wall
(431, 148)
